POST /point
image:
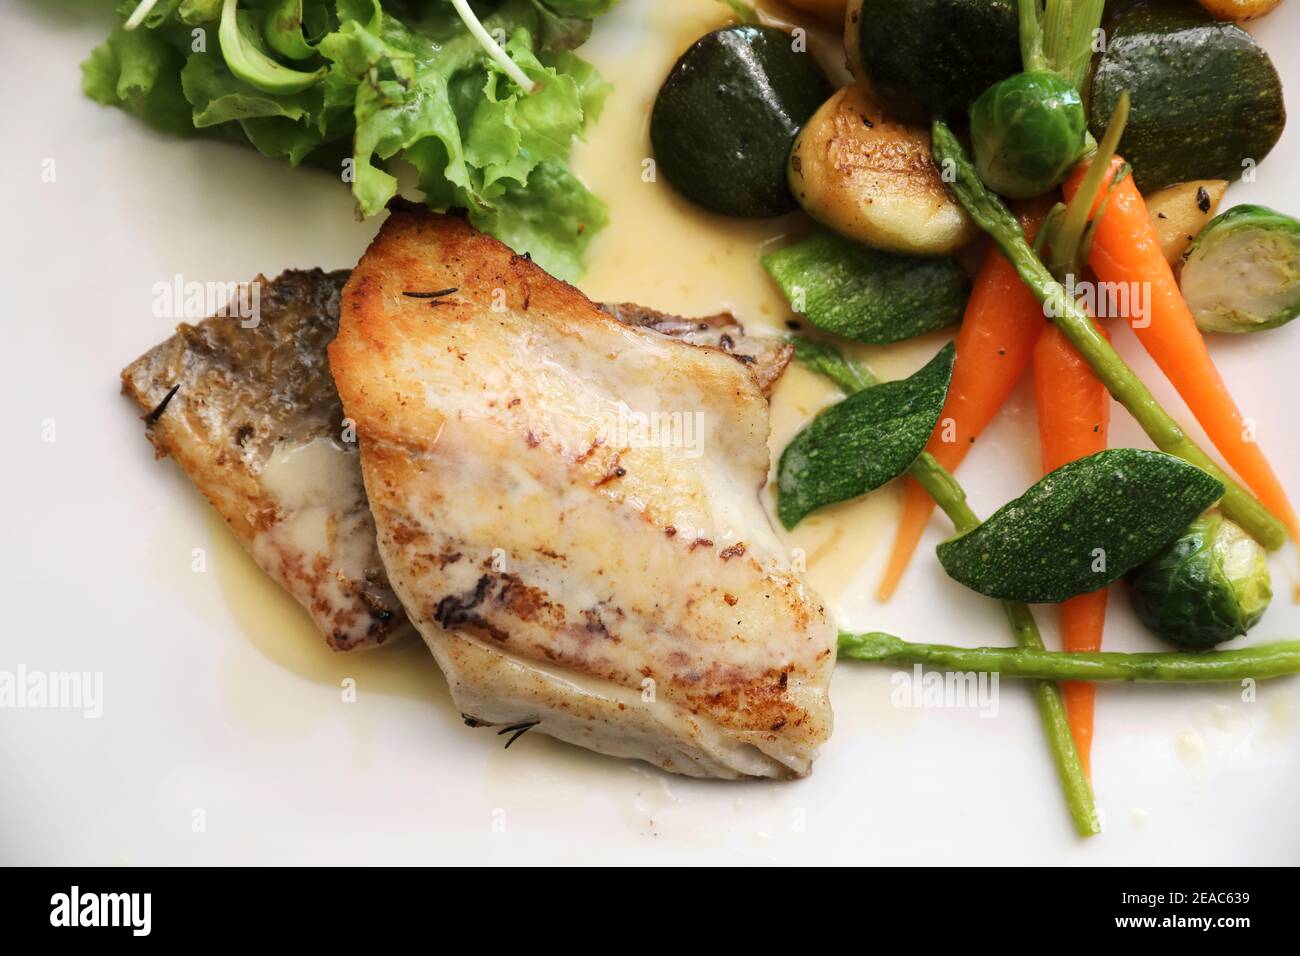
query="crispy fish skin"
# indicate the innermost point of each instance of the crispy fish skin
(622, 595)
(255, 423)
(766, 357)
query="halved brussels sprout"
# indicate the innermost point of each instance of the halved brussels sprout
(1209, 586)
(1242, 272)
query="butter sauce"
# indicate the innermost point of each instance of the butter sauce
(277, 626)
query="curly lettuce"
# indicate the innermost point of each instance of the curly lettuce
(484, 103)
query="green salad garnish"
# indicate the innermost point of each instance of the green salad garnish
(483, 100)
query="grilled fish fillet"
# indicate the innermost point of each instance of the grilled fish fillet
(568, 508)
(255, 422)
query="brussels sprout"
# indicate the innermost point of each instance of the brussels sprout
(1209, 586)
(1028, 131)
(1242, 273)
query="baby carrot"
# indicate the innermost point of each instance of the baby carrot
(1125, 252)
(1073, 417)
(994, 345)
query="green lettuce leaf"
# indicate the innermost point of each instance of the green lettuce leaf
(140, 72)
(553, 218)
(580, 8)
(400, 82)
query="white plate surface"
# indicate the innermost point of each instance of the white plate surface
(224, 736)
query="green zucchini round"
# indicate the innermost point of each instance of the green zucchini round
(928, 59)
(1206, 102)
(726, 117)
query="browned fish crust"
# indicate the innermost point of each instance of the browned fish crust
(766, 357)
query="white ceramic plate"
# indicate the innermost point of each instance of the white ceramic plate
(224, 736)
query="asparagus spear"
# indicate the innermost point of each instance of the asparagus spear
(1259, 663)
(995, 219)
(948, 494)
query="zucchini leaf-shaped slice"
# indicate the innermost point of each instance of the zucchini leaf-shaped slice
(242, 51)
(864, 441)
(830, 362)
(849, 289)
(1082, 527)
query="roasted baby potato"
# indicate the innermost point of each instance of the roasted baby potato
(1181, 211)
(872, 179)
(1238, 9)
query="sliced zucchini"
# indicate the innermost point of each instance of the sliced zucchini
(1123, 505)
(1206, 102)
(725, 118)
(1243, 271)
(931, 58)
(1180, 212)
(873, 179)
(867, 295)
(857, 445)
